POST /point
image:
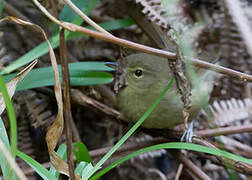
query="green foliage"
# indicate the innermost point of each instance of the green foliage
(13, 130)
(12, 117)
(81, 152)
(68, 15)
(42, 48)
(3, 163)
(129, 133)
(178, 145)
(85, 73)
(83, 168)
(81, 73)
(41, 170)
(1, 7)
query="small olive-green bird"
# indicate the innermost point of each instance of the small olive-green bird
(147, 76)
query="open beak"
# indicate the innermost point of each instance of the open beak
(111, 64)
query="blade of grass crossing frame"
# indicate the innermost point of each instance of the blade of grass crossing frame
(41, 170)
(172, 145)
(130, 132)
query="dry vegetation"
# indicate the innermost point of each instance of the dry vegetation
(96, 119)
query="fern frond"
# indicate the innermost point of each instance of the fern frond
(226, 112)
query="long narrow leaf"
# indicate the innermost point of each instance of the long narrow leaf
(41, 170)
(4, 138)
(176, 145)
(12, 116)
(1, 8)
(82, 73)
(129, 133)
(54, 40)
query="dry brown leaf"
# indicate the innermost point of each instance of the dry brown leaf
(12, 84)
(55, 131)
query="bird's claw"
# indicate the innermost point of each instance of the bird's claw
(188, 134)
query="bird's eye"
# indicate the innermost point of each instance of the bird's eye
(138, 72)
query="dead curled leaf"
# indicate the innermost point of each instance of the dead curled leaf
(56, 129)
(12, 84)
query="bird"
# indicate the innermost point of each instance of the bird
(147, 76)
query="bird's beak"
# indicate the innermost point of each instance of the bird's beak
(111, 64)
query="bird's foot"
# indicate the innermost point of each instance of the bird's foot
(188, 134)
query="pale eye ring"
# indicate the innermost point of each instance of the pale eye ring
(139, 73)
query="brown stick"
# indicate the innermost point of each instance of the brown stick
(179, 171)
(225, 131)
(80, 98)
(154, 51)
(192, 167)
(84, 100)
(142, 48)
(67, 105)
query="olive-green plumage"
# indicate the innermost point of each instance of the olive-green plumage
(147, 77)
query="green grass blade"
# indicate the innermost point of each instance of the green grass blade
(81, 74)
(67, 14)
(81, 152)
(42, 48)
(36, 52)
(4, 138)
(175, 145)
(54, 40)
(3, 135)
(41, 170)
(130, 132)
(12, 117)
(1, 8)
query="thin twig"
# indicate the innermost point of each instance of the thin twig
(237, 147)
(158, 52)
(225, 131)
(43, 9)
(86, 18)
(236, 165)
(80, 98)
(105, 91)
(192, 167)
(146, 49)
(179, 171)
(67, 104)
